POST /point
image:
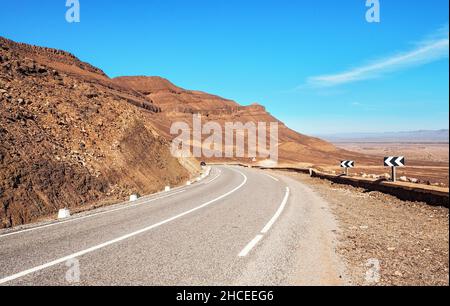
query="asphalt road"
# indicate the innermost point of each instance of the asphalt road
(236, 227)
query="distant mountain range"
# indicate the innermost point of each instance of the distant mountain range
(409, 136)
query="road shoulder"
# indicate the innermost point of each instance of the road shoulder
(301, 247)
(386, 241)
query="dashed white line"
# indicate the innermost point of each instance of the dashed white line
(125, 237)
(269, 225)
(250, 246)
(273, 178)
(215, 178)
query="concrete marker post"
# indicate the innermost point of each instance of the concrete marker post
(63, 213)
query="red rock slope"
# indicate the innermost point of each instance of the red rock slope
(178, 104)
(71, 137)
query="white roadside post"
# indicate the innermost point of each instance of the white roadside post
(63, 213)
(394, 162)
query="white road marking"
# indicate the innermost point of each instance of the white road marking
(250, 246)
(92, 215)
(278, 213)
(125, 237)
(273, 178)
(269, 225)
(215, 178)
(145, 202)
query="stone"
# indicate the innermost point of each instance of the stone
(387, 176)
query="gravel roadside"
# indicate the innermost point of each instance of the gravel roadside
(386, 241)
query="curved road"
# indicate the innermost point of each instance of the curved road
(237, 227)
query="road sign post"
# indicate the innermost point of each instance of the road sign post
(347, 164)
(394, 162)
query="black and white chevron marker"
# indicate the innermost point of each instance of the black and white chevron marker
(394, 161)
(347, 164)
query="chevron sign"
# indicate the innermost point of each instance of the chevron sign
(347, 164)
(394, 161)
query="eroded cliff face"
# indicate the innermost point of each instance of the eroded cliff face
(70, 137)
(179, 105)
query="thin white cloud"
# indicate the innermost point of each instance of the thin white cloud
(431, 49)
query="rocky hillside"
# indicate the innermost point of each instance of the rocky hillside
(71, 137)
(178, 104)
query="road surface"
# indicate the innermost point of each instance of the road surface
(239, 226)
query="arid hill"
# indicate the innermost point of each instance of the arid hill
(178, 104)
(295, 149)
(71, 137)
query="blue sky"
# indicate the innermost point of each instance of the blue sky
(317, 65)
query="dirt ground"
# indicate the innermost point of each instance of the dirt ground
(434, 152)
(426, 163)
(432, 176)
(385, 241)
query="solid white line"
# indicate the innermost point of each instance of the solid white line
(141, 202)
(273, 178)
(108, 243)
(278, 213)
(92, 215)
(250, 246)
(269, 225)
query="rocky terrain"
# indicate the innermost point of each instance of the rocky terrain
(71, 137)
(178, 104)
(407, 241)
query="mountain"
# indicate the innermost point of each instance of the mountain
(70, 137)
(426, 136)
(73, 137)
(178, 104)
